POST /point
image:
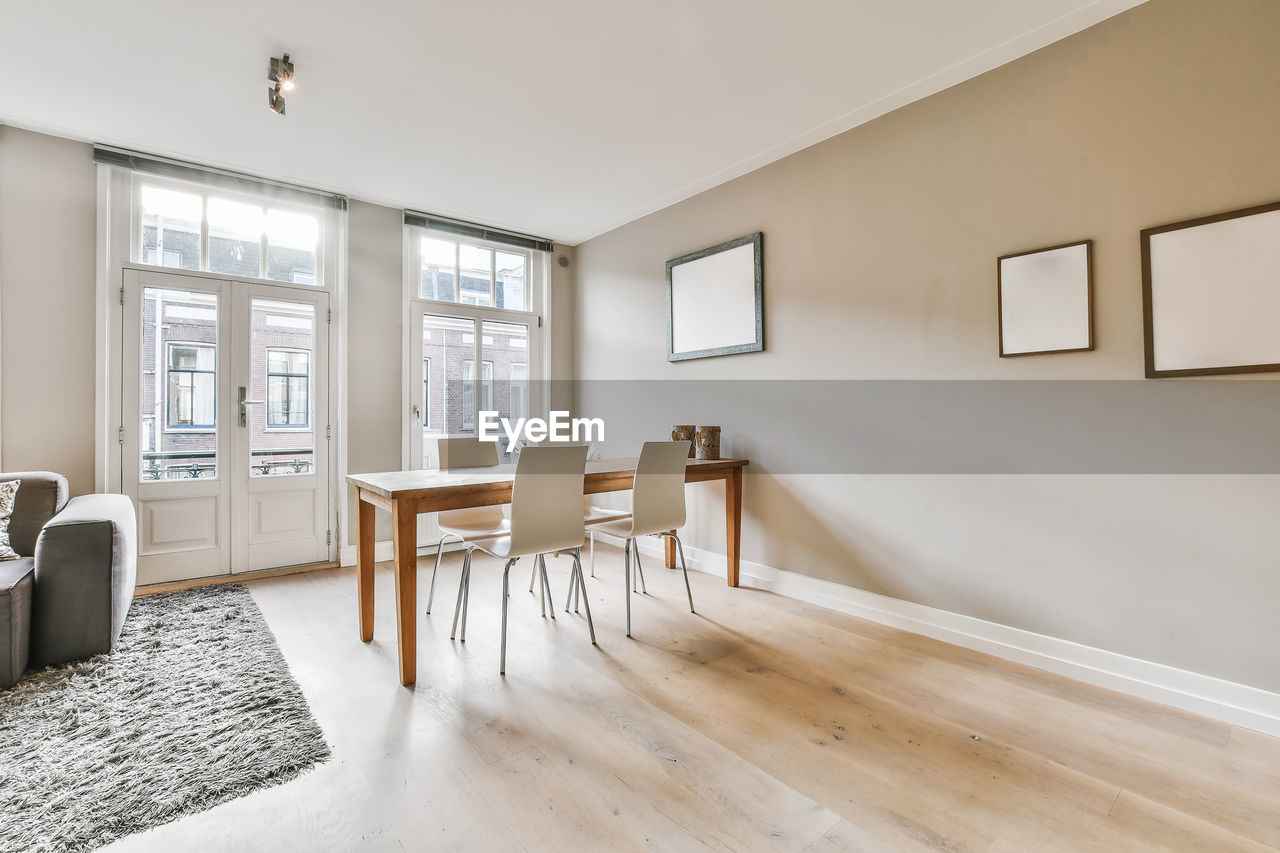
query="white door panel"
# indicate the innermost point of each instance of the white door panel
(218, 491)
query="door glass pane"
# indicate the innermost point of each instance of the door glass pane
(448, 353)
(178, 394)
(292, 243)
(170, 228)
(505, 380)
(282, 428)
(509, 276)
(475, 266)
(439, 273)
(235, 238)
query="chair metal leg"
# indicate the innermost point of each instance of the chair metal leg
(626, 581)
(533, 575)
(685, 569)
(582, 584)
(462, 585)
(573, 587)
(542, 590)
(546, 587)
(506, 581)
(592, 536)
(635, 543)
(431, 593)
(577, 596)
(466, 596)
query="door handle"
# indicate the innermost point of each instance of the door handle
(245, 402)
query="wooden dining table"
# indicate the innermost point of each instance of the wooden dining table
(405, 494)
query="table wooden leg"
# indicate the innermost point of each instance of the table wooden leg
(733, 522)
(671, 551)
(364, 566)
(405, 523)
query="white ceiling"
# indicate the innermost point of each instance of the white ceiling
(562, 118)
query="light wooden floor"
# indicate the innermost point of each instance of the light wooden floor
(759, 724)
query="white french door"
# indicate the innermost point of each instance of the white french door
(225, 428)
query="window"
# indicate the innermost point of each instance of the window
(426, 393)
(457, 271)
(469, 392)
(519, 391)
(170, 227)
(288, 389)
(191, 387)
(189, 226)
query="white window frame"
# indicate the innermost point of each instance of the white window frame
(537, 278)
(266, 390)
(135, 257)
(192, 429)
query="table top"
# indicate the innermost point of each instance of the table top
(395, 484)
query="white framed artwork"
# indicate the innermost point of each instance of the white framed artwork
(715, 300)
(1045, 300)
(1211, 294)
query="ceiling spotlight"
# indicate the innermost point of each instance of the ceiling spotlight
(280, 74)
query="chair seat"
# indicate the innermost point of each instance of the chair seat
(622, 528)
(478, 531)
(596, 514)
(500, 547)
(482, 523)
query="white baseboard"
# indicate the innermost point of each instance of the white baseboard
(384, 550)
(1227, 701)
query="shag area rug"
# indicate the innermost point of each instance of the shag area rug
(195, 707)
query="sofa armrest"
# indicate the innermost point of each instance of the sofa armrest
(41, 496)
(86, 566)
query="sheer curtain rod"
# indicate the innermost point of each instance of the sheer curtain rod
(154, 165)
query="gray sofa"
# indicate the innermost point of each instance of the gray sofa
(67, 596)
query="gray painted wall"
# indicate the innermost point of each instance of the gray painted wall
(880, 248)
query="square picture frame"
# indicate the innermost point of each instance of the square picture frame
(1211, 294)
(715, 300)
(1044, 300)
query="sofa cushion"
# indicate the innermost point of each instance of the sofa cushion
(16, 578)
(42, 495)
(8, 495)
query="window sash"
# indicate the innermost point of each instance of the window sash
(190, 399)
(289, 390)
(266, 251)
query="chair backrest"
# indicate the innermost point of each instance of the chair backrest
(467, 453)
(657, 497)
(546, 499)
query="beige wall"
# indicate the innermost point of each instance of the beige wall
(375, 303)
(880, 248)
(48, 216)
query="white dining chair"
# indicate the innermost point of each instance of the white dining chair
(593, 515)
(466, 525)
(657, 508)
(546, 516)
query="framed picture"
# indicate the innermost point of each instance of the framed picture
(1211, 294)
(1045, 300)
(715, 300)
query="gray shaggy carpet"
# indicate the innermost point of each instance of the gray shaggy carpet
(195, 707)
